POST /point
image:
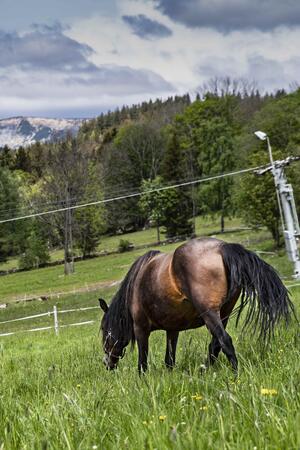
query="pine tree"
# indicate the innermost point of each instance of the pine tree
(178, 211)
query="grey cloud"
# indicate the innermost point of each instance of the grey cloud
(55, 27)
(229, 15)
(146, 28)
(48, 48)
(120, 80)
(43, 48)
(269, 73)
(46, 67)
(265, 73)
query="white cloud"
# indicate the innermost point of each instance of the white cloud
(190, 56)
(122, 68)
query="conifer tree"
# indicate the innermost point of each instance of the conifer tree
(178, 210)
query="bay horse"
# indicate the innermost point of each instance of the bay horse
(197, 284)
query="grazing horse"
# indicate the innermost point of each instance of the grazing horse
(197, 284)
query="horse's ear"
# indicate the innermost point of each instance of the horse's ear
(103, 305)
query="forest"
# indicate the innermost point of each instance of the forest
(138, 149)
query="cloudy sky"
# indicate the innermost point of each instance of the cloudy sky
(78, 58)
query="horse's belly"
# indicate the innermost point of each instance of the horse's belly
(178, 325)
(174, 315)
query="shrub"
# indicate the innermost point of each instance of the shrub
(125, 246)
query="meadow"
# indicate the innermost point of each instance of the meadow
(56, 394)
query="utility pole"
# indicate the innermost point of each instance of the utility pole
(286, 203)
(68, 244)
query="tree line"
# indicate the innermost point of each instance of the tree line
(141, 148)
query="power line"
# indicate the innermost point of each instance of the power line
(113, 192)
(135, 194)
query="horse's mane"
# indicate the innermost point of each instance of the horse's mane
(119, 319)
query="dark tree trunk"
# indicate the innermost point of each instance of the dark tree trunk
(222, 223)
(158, 231)
(68, 244)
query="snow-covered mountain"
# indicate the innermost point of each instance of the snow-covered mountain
(23, 131)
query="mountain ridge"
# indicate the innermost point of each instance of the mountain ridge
(26, 130)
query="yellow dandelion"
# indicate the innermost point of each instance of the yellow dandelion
(197, 396)
(162, 418)
(144, 422)
(265, 391)
(78, 386)
(203, 408)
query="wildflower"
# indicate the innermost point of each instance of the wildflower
(78, 386)
(162, 418)
(144, 422)
(203, 408)
(265, 391)
(197, 397)
(95, 447)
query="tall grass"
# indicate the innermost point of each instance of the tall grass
(55, 394)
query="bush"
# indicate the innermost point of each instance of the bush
(35, 250)
(125, 246)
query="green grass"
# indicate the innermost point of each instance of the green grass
(56, 394)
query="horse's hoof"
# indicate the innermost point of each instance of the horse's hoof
(203, 368)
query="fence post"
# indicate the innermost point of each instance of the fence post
(55, 319)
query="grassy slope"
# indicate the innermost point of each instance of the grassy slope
(111, 243)
(54, 392)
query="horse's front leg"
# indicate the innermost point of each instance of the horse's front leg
(172, 338)
(142, 338)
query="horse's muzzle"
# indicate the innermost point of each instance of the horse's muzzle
(109, 364)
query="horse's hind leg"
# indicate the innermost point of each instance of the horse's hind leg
(172, 338)
(214, 324)
(214, 347)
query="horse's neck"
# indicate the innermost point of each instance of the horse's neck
(120, 320)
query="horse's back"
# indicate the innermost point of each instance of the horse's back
(198, 266)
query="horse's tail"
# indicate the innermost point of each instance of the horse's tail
(261, 288)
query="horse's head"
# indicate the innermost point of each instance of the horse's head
(113, 348)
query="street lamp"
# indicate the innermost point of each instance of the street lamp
(286, 203)
(264, 137)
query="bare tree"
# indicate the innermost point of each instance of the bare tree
(222, 86)
(64, 184)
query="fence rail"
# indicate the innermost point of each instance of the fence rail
(56, 326)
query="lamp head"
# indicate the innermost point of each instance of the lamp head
(261, 135)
